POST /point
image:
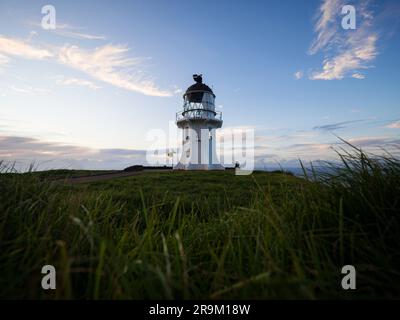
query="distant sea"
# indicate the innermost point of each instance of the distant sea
(297, 171)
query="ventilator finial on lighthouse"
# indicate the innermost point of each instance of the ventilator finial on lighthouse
(199, 121)
(198, 78)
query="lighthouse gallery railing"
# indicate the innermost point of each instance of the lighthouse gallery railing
(198, 114)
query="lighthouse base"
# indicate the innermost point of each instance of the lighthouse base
(204, 167)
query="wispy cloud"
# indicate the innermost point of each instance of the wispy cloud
(3, 60)
(321, 151)
(78, 35)
(336, 126)
(21, 48)
(307, 147)
(28, 90)
(326, 25)
(394, 125)
(358, 76)
(383, 142)
(111, 64)
(298, 75)
(66, 30)
(346, 52)
(351, 59)
(77, 82)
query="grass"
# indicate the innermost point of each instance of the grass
(181, 235)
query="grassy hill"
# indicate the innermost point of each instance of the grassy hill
(204, 234)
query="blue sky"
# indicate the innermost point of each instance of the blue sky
(86, 94)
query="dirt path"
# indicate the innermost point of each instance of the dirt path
(107, 176)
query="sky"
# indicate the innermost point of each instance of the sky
(86, 94)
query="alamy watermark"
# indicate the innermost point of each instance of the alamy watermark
(49, 18)
(349, 280)
(349, 20)
(49, 280)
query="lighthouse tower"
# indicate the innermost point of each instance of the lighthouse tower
(198, 121)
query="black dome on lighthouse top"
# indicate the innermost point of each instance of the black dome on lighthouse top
(199, 87)
(195, 91)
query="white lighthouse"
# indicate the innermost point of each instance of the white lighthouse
(199, 121)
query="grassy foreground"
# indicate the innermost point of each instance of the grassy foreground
(204, 234)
